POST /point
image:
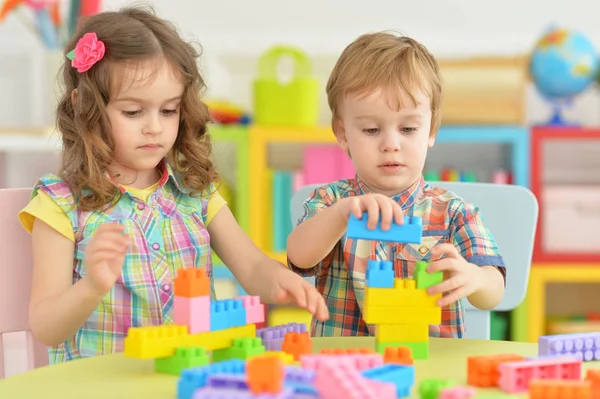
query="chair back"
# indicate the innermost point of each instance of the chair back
(15, 277)
(511, 213)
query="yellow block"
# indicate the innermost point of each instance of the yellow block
(404, 294)
(402, 315)
(155, 342)
(402, 332)
(286, 358)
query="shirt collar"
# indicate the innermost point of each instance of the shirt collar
(405, 199)
(166, 174)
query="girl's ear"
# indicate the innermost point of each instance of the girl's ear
(73, 96)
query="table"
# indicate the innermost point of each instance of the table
(116, 376)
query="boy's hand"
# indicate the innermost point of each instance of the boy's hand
(105, 255)
(373, 205)
(288, 287)
(461, 278)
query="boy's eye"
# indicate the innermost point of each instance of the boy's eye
(373, 130)
(409, 129)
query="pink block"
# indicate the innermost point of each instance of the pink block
(515, 376)
(255, 310)
(298, 181)
(360, 361)
(193, 313)
(457, 393)
(338, 379)
(320, 164)
(346, 167)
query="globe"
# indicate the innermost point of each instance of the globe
(563, 64)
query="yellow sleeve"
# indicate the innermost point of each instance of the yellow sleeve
(215, 203)
(44, 208)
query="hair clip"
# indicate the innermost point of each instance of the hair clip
(87, 52)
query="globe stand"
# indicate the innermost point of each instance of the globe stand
(557, 119)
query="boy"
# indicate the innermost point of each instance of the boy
(385, 94)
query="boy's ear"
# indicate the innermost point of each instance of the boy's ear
(431, 141)
(340, 133)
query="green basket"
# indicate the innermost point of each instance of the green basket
(294, 103)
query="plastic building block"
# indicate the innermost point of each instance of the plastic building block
(593, 376)
(227, 313)
(431, 387)
(403, 377)
(161, 341)
(232, 393)
(409, 232)
(301, 381)
(192, 312)
(297, 344)
(482, 371)
(425, 279)
(583, 345)
(272, 337)
(398, 355)
(515, 376)
(241, 348)
(338, 379)
(255, 310)
(419, 350)
(192, 380)
(265, 375)
(380, 274)
(184, 358)
(346, 351)
(545, 389)
(401, 314)
(362, 361)
(286, 358)
(233, 381)
(402, 332)
(457, 393)
(192, 282)
(404, 293)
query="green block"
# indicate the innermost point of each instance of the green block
(431, 387)
(420, 350)
(184, 358)
(424, 279)
(241, 348)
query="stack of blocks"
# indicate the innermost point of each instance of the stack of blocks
(400, 309)
(226, 327)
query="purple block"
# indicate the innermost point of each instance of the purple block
(228, 393)
(272, 337)
(299, 375)
(585, 346)
(232, 381)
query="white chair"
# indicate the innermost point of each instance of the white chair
(511, 213)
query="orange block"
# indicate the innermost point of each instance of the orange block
(297, 344)
(482, 371)
(192, 282)
(593, 377)
(346, 351)
(560, 389)
(398, 355)
(265, 375)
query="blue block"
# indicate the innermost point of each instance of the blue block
(227, 313)
(409, 232)
(403, 377)
(380, 274)
(195, 378)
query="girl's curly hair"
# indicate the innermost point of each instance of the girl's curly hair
(131, 36)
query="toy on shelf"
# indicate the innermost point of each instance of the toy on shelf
(226, 113)
(563, 64)
(292, 103)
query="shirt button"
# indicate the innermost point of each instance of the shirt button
(423, 250)
(141, 207)
(166, 287)
(156, 246)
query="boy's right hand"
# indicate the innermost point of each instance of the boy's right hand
(373, 205)
(105, 255)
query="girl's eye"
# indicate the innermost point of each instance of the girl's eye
(131, 113)
(169, 111)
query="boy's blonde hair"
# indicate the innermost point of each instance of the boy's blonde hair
(385, 60)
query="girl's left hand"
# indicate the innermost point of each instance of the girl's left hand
(288, 287)
(461, 278)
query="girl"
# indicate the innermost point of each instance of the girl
(135, 198)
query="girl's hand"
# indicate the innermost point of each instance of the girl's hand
(374, 205)
(288, 287)
(105, 255)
